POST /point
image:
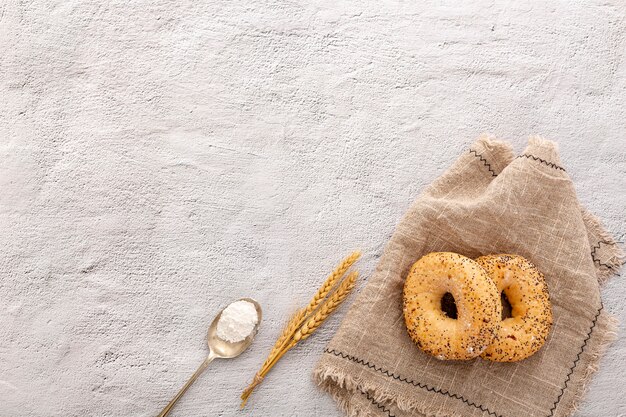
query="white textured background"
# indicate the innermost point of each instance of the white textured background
(159, 159)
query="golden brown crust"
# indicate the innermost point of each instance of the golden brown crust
(523, 334)
(477, 300)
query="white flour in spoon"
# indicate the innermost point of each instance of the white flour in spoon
(237, 321)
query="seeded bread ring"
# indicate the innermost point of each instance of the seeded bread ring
(479, 310)
(526, 331)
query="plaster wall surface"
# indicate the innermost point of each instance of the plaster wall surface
(159, 159)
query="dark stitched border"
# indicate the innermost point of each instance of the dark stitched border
(493, 173)
(459, 397)
(408, 381)
(571, 370)
(543, 161)
(596, 260)
(376, 403)
(484, 161)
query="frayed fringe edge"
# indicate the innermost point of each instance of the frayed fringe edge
(493, 144)
(617, 257)
(540, 141)
(606, 338)
(337, 383)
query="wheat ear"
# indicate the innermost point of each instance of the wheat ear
(304, 321)
(315, 321)
(327, 308)
(331, 281)
(302, 315)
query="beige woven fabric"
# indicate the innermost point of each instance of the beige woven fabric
(489, 201)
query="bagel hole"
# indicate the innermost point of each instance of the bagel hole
(448, 305)
(506, 306)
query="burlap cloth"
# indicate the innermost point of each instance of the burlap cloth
(488, 201)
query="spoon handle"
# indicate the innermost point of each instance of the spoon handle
(195, 376)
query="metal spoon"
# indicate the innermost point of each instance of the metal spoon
(218, 348)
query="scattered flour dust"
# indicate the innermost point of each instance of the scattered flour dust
(237, 321)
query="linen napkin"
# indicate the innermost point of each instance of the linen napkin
(488, 201)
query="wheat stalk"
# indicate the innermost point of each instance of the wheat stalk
(306, 320)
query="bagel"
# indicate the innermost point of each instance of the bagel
(522, 334)
(477, 299)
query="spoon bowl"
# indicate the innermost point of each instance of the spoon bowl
(224, 349)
